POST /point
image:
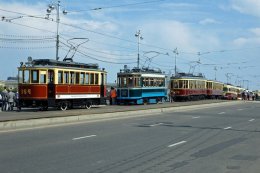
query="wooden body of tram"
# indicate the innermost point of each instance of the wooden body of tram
(141, 86)
(49, 83)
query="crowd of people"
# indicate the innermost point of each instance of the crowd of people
(9, 100)
(247, 95)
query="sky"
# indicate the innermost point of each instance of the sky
(218, 38)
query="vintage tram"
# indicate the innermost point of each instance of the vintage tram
(188, 87)
(231, 92)
(141, 86)
(50, 83)
(214, 89)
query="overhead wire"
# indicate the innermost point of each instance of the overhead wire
(116, 6)
(111, 36)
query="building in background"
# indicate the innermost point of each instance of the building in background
(10, 83)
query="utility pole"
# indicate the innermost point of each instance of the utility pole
(139, 36)
(215, 68)
(228, 77)
(176, 53)
(51, 7)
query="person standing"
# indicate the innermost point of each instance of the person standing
(17, 103)
(113, 95)
(1, 101)
(4, 95)
(11, 99)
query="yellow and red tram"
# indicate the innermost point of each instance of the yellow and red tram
(188, 87)
(214, 89)
(49, 83)
(232, 92)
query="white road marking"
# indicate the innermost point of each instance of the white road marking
(227, 128)
(178, 143)
(195, 117)
(83, 137)
(251, 120)
(157, 124)
(221, 113)
(240, 109)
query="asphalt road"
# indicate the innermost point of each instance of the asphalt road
(213, 140)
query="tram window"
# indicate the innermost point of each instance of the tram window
(82, 77)
(158, 82)
(146, 82)
(26, 76)
(175, 84)
(208, 85)
(60, 77)
(152, 82)
(119, 82)
(96, 78)
(191, 84)
(105, 79)
(43, 78)
(66, 77)
(124, 84)
(130, 81)
(72, 77)
(91, 79)
(35, 76)
(180, 84)
(87, 79)
(137, 82)
(20, 76)
(50, 76)
(163, 82)
(77, 77)
(185, 82)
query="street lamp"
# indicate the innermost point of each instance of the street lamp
(51, 7)
(139, 36)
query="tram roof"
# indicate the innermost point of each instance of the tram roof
(188, 76)
(140, 71)
(55, 63)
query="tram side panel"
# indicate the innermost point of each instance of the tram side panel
(32, 95)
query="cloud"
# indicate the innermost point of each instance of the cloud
(187, 38)
(255, 31)
(251, 7)
(208, 21)
(253, 39)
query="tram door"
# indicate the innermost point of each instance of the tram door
(51, 88)
(102, 89)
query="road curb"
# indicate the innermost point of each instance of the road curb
(40, 122)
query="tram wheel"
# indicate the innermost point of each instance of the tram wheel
(64, 106)
(88, 105)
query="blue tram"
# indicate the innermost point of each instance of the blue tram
(141, 86)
